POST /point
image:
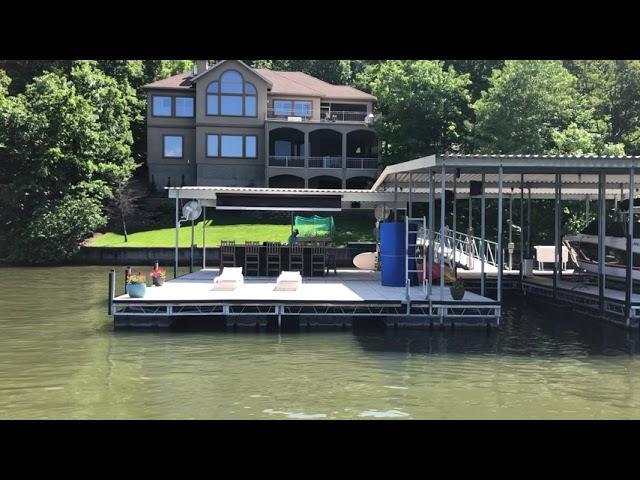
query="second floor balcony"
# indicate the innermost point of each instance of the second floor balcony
(284, 161)
(328, 116)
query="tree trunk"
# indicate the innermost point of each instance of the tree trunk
(124, 229)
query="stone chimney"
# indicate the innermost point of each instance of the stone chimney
(201, 66)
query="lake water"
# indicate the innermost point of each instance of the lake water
(60, 358)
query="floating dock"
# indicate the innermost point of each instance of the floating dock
(333, 300)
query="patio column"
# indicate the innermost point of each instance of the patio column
(429, 265)
(204, 237)
(499, 253)
(629, 289)
(175, 264)
(602, 222)
(482, 245)
(344, 160)
(557, 259)
(306, 160)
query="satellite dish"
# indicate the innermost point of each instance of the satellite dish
(191, 210)
(382, 212)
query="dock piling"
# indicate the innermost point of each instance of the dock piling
(112, 290)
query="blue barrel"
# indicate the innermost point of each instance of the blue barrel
(392, 254)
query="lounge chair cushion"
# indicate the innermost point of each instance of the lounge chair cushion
(289, 281)
(230, 279)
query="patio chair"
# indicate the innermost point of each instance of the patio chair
(252, 259)
(318, 260)
(296, 258)
(227, 254)
(274, 262)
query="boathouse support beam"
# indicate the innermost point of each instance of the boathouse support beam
(455, 220)
(204, 237)
(175, 262)
(395, 197)
(443, 185)
(410, 194)
(500, 251)
(629, 288)
(483, 258)
(529, 249)
(429, 267)
(557, 227)
(522, 223)
(602, 225)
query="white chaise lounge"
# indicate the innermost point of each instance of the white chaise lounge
(230, 279)
(288, 281)
(546, 254)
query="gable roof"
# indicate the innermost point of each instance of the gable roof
(280, 83)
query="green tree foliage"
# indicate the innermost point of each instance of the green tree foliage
(479, 72)
(55, 231)
(612, 89)
(526, 102)
(422, 105)
(331, 71)
(64, 138)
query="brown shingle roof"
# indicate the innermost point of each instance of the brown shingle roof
(284, 83)
(298, 83)
(177, 81)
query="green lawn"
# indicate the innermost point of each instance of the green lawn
(230, 226)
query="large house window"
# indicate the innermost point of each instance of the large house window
(184, 107)
(161, 106)
(232, 146)
(232, 96)
(299, 108)
(172, 146)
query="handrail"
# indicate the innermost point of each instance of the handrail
(325, 116)
(362, 162)
(286, 161)
(325, 162)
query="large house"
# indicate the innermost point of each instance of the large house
(233, 125)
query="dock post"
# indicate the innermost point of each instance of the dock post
(204, 237)
(510, 244)
(499, 253)
(127, 274)
(175, 264)
(521, 225)
(455, 220)
(557, 259)
(629, 290)
(529, 249)
(602, 222)
(431, 236)
(193, 226)
(112, 290)
(395, 197)
(482, 245)
(443, 186)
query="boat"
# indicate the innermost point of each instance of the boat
(584, 245)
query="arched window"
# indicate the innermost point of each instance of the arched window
(232, 96)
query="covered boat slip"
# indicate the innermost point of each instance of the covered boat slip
(523, 177)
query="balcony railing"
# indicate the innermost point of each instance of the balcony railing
(325, 116)
(325, 162)
(362, 162)
(290, 162)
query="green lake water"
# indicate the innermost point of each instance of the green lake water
(61, 359)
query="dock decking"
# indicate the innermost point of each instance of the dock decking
(349, 293)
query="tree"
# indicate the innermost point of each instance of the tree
(124, 203)
(526, 102)
(479, 72)
(422, 105)
(612, 89)
(331, 71)
(64, 138)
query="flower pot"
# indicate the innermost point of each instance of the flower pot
(457, 292)
(158, 281)
(136, 290)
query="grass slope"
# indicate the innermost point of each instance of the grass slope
(238, 227)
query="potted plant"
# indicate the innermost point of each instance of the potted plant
(136, 285)
(158, 275)
(457, 289)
